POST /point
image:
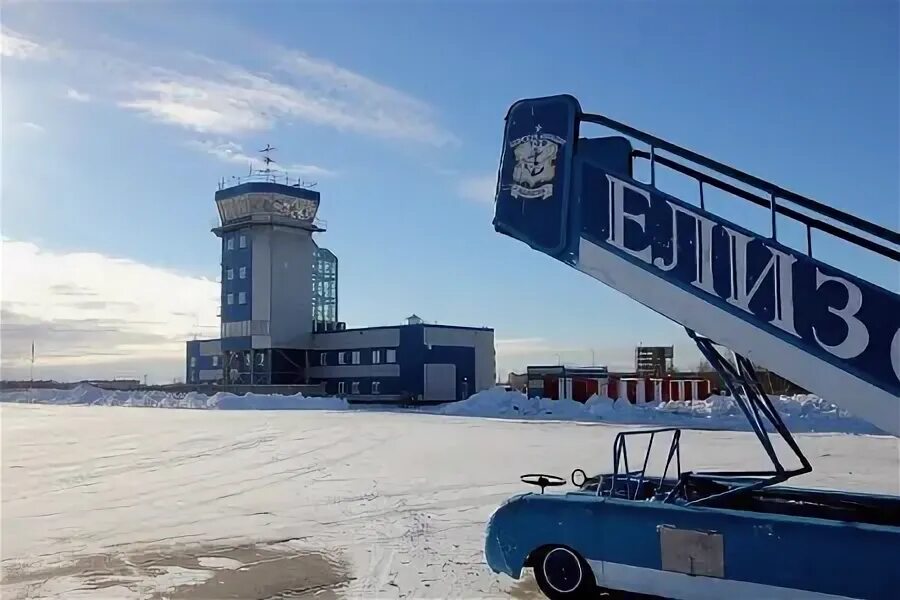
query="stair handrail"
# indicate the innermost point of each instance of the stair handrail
(775, 191)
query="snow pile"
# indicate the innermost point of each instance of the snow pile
(803, 412)
(226, 401)
(81, 394)
(497, 402)
(86, 394)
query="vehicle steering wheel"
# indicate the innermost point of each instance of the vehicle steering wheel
(544, 481)
(584, 477)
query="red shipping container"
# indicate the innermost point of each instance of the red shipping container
(674, 392)
(631, 390)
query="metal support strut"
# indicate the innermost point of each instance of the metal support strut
(741, 381)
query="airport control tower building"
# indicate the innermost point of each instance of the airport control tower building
(279, 313)
(278, 287)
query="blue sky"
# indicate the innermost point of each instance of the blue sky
(120, 117)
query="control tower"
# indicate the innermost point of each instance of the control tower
(278, 286)
(279, 313)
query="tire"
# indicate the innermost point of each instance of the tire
(562, 574)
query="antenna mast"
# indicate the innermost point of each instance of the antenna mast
(267, 159)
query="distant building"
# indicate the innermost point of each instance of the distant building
(574, 383)
(517, 381)
(279, 313)
(653, 361)
(580, 383)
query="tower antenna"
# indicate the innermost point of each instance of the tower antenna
(267, 160)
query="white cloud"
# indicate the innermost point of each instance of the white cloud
(226, 99)
(217, 97)
(357, 103)
(16, 45)
(87, 311)
(233, 152)
(73, 94)
(34, 127)
(480, 188)
(200, 104)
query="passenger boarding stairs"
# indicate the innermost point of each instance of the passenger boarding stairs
(579, 201)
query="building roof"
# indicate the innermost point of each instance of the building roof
(426, 325)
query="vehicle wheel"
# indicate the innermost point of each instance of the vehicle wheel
(563, 575)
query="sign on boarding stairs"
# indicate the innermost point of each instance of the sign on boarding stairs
(577, 199)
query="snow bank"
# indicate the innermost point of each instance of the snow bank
(225, 401)
(802, 413)
(500, 403)
(86, 394)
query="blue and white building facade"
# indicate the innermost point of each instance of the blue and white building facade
(279, 314)
(426, 362)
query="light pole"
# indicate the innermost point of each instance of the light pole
(593, 359)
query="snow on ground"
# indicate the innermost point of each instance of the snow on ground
(94, 396)
(802, 413)
(109, 502)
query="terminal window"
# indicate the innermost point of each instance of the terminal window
(324, 288)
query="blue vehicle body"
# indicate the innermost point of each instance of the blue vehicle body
(763, 555)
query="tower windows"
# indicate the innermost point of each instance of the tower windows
(242, 272)
(242, 297)
(229, 274)
(229, 243)
(242, 241)
(229, 299)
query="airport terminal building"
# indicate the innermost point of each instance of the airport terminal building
(279, 313)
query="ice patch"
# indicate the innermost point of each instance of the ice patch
(170, 578)
(219, 562)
